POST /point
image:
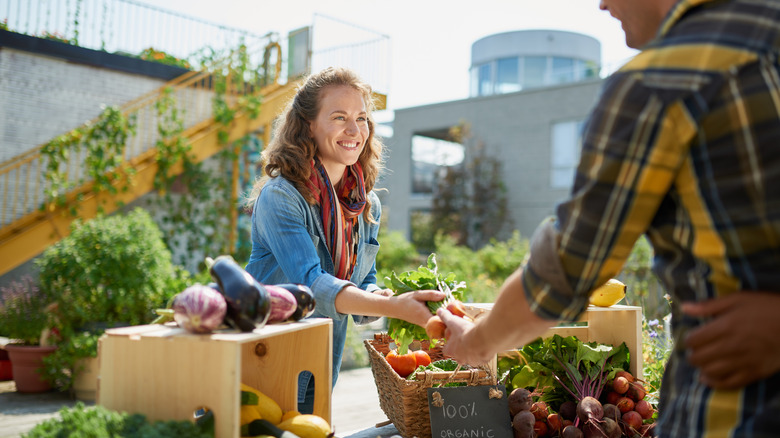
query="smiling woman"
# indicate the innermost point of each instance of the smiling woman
(315, 216)
(340, 129)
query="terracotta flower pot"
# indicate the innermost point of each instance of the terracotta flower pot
(25, 363)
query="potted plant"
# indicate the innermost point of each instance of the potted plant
(109, 272)
(23, 318)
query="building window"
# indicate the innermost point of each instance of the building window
(428, 155)
(534, 71)
(507, 75)
(562, 70)
(485, 80)
(421, 230)
(564, 153)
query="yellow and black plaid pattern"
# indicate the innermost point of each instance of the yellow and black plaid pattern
(683, 146)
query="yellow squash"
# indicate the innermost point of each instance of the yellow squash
(307, 426)
(266, 406)
(249, 413)
(609, 294)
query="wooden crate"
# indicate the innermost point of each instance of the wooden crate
(167, 373)
(607, 325)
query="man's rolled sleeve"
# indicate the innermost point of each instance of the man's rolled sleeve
(549, 294)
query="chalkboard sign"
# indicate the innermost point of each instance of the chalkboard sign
(469, 412)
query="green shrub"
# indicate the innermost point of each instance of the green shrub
(395, 254)
(99, 422)
(113, 269)
(110, 271)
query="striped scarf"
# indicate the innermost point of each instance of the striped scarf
(340, 213)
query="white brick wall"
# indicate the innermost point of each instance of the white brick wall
(42, 97)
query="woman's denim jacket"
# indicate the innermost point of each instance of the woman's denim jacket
(288, 246)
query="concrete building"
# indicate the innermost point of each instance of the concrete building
(530, 94)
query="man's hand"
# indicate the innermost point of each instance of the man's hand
(460, 344)
(739, 345)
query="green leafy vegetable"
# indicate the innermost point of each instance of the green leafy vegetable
(445, 365)
(563, 368)
(424, 278)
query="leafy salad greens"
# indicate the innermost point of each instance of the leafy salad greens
(424, 278)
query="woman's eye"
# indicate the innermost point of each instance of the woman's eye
(362, 119)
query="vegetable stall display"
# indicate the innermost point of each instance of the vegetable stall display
(557, 386)
(573, 389)
(236, 300)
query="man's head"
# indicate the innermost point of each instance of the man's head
(640, 18)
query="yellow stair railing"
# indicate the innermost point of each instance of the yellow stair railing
(29, 222)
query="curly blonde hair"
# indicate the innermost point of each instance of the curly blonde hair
(292, 147)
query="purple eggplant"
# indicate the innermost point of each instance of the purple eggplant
(304, 297)
(248, 302)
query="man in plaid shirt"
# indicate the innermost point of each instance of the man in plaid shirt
(683, 146)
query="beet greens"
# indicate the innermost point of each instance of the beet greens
(566, 368)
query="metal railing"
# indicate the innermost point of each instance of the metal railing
(121, 26)
(339, 43)
(128, 27)
(22, 179)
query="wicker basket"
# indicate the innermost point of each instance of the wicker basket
(405, 402)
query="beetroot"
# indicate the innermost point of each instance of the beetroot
(611, 428)
(540, 428)
(571, 432)
(625, 374)
(625, 404)
(519, 400)
(620, 385)
(589, 409)
(593, 430)
(644, 408)
(636, 391)
(540, 410)
(199, 309)
(568, 410)
(523, 424)
(647, 430)
(612, 411)
(632, 419)
(612, 397)
(554, 423)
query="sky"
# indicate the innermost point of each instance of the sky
(430, 40)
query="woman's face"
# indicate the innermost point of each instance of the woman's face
(340, 129)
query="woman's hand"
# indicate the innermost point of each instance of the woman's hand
(410, 306)
(739, 345)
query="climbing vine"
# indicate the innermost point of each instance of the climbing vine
(195, 205)
(100, 145)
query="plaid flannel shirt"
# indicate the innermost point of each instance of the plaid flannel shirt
(683, 146)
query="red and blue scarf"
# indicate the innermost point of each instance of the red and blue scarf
(340, 213)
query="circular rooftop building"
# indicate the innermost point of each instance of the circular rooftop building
(515, 61)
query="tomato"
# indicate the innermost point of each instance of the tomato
(403, 364)
(422, 358)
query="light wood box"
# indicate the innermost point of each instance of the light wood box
(606, 325)
(167, 373)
